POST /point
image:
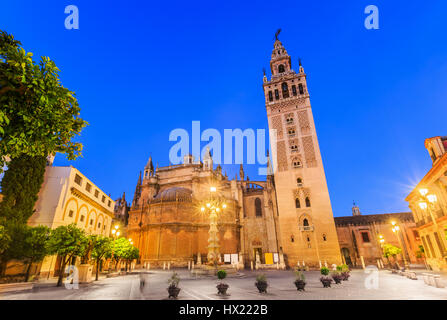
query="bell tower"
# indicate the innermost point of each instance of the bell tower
(306, 224)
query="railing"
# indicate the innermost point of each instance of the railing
(306, 228)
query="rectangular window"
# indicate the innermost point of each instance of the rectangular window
(70, 214)
(99, 225)
(365, 236)
(82, 218)
(270, 96)
(108, 203)
(91, 222)
(96, 193)
(103, 198)
(78, 179)
(276, 94)
(88, 187)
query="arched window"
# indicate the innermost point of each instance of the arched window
(324, 237)
(281, 68)
(300, 88)
(299, 182)
(307, 202)
(297, 203)
(258, 209)
(294, 90)
(270, 96)
(285, 90)
(292, 238)
(276, 94)
(305, 223)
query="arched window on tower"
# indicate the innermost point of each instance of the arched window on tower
(270, 96)
(258, 208)
(307, 202)
(305, 223)
(297, 203)
(281, 68)
(299, 182)
(285, 90)
(300, 88)
(276, 94)
(294, 90)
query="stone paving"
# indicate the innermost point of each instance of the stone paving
(281, 287)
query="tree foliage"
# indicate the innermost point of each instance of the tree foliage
(124, 250)
(67, 242)
(5, 239)
(20, 187)
(101, 248)
(390, 251)
(35, 246)
(38, 116)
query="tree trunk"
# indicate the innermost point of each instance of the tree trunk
(28, 269)
(3, 264)
(61, 273)
(97, 269)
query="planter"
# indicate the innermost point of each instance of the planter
(173, 292)
(222, 288)
(300, 284)
(262, 286)
(326, 281)
(337, 278)
(345, 276)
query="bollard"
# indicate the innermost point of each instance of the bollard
(363, 262)
(164, 265)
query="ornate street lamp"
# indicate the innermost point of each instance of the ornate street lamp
(213, 207)
(405, 256)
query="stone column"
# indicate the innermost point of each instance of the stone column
(363, 262)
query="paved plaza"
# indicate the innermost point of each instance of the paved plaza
(281, 287)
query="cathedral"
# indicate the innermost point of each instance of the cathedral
(285, 220)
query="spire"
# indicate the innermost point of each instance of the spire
(149, 168)
(241, 172)
(137, 193)
(280, 63)
(207, 159)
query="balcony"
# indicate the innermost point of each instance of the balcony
(306, 228)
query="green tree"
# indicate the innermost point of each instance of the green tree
(20, 187)
(120, 249)
(17, 232)
(38, 116)
(390, 251)
(67, 242)
(102, 248)
(131, 254)
(35, 248)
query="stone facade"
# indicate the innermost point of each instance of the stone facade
(67, 196)
(306, 224)
(167, 226)
(359, 237)
(429, 207)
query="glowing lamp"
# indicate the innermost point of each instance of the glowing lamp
(423, 191)
(432, 198)
(423, 205)
(213, 189)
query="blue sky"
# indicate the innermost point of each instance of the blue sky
(141, 69)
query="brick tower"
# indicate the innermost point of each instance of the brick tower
(306, 225)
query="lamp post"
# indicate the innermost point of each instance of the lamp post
(213, 207)
(396, 229)
(381, 242)
(115, 234)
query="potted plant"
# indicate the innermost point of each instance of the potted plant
(173, 288)
(300, 282)
(336, 275)
(261, 283)
(345, 273)
(222, 287)
(325, 280)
